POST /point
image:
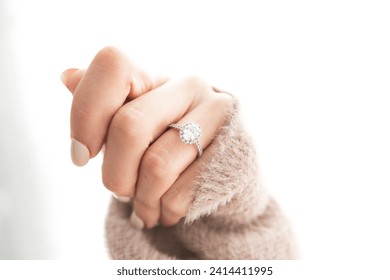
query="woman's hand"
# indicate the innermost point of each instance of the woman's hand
(118, 105)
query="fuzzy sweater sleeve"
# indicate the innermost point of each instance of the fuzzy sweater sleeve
(231, 217)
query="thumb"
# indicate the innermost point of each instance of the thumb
(71, 78)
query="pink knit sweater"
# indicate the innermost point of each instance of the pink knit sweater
(231, 217)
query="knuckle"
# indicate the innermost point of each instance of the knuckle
(156, 163)
(221, 101)
(195, 82)
(130, 122)
(109, 55)
(197, 85)
(112, 60)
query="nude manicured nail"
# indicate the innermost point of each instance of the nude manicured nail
(121, 198)
(79, 153)
(136, 222)
(63, 77)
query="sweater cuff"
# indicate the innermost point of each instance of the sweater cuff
(228, 187)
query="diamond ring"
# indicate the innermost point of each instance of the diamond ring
(189, 134)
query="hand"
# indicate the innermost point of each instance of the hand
(118, 105)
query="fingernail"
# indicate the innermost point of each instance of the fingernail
(79, 153)
(135, 221)
(63, 77)
(124, 199)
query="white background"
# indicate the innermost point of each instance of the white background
(312, 77)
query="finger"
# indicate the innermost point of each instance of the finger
(71, 78)
(168, 157)
(108, 82)
(135, 126)
(177, 200)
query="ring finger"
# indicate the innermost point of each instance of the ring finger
(138, 124)
(168, 157)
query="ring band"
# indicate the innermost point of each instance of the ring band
(189, 134)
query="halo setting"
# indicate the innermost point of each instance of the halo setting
(189, 134)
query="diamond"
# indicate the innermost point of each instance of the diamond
(190, 133)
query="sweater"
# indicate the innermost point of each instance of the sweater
(231, 217)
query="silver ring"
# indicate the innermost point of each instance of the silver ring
(189, 134)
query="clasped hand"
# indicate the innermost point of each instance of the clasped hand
(119, 106)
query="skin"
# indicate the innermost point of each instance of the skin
(117, 105)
